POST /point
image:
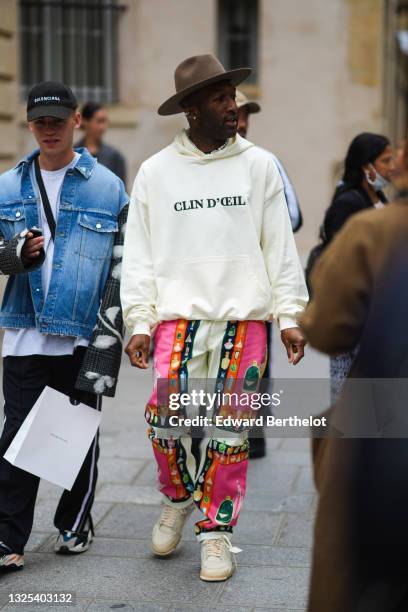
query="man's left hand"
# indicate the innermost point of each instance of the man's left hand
(294, 341)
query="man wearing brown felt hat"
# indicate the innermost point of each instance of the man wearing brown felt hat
(209, 256)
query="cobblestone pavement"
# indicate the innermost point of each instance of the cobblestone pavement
(120, 573)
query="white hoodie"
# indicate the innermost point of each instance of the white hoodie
(209, 237)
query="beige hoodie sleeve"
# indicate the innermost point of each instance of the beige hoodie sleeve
(138, 287)
(289, 292)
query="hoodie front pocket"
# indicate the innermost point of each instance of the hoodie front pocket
(215, 288)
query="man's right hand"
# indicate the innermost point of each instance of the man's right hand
(138, 351)
(32, 247)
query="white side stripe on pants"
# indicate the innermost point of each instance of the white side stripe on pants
(91, 475)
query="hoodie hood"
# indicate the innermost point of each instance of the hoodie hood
(234, 146)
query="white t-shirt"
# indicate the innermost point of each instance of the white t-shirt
(23, 342)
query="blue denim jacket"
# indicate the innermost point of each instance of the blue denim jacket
(90, 203)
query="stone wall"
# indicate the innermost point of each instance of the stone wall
(9, 134)
(320, 83)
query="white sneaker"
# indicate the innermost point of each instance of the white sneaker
(168, 529)
(217, 557)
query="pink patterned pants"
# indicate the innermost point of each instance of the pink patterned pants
(226, 358)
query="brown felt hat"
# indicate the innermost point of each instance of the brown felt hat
(197, 72)
(241, 101)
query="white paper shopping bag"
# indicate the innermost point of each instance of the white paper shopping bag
(54, 439)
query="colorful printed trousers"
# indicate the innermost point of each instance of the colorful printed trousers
(227, 359)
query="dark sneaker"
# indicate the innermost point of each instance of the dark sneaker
(75, 542)
(9, 561)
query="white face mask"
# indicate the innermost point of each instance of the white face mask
(379, 183)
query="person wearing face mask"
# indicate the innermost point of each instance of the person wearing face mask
(368, 168)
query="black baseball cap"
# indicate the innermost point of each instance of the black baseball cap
(50, 99)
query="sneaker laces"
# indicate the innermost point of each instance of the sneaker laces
(215, 546)
(169, 516)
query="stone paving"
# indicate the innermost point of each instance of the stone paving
(120, 573)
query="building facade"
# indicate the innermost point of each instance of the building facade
(324, 70)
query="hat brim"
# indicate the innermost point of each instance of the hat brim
(172, 105)
(253, 107)
(48, 110)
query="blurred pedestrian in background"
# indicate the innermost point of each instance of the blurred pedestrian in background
(368, 169)
(248, 107)
(245, 108)
(95, 122)
(360, 298)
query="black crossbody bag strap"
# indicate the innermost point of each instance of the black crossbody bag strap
(44, 197)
